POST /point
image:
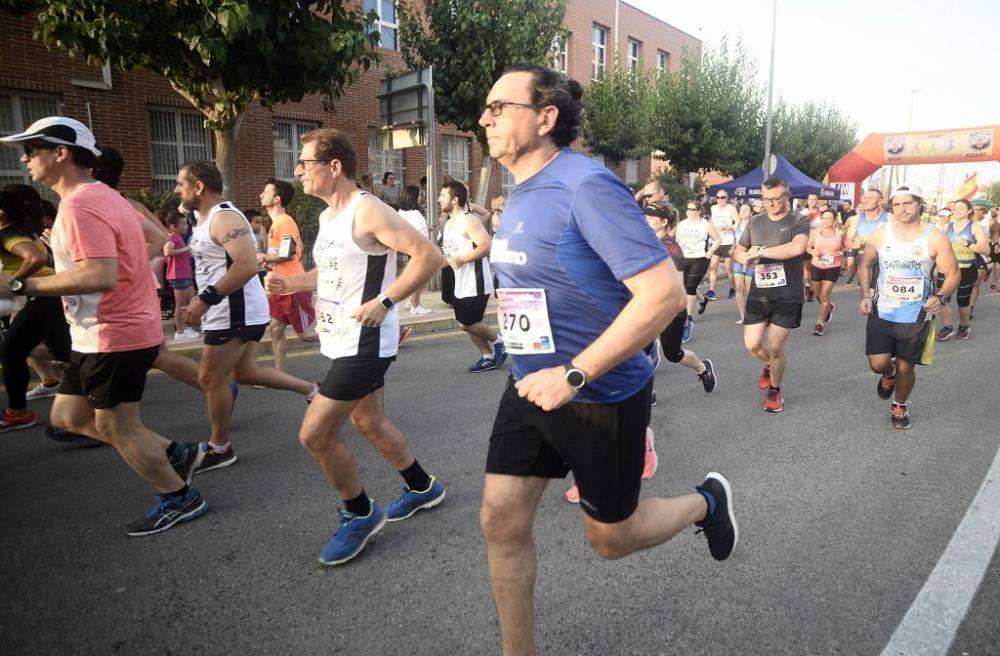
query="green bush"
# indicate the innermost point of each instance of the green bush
(156, 202)
(306, 210)
(676, 187)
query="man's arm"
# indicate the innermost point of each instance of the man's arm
(475, 232)
(789, 251)
(851, 229)
(96, 274)
(716, 240)
(982, 245)
(867, 270)
(152, 230)
(231, 231)
(946, 264)
(32, 259)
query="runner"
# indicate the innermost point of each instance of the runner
(409, 209)
(578, 399)
(357, 290)
(699, 240)
(742, 273)
(967, 241)
(724, 218)
(826, 247)
(231, 306)
(864, 223)
(812, 213)
(103, 275)
(773, 244)
(981, 218)
(900, 332)
(466, 246)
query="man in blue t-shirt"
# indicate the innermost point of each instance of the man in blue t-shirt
(584, 285)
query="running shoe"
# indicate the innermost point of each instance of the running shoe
(972, 310)
(215, 459)
(404, 332)
(702, 304)
(900, 417)
(829, 315)
(818, 330)
(419, 310)
(688, 327)
(850, 281)
(963, 331)
(484, 363)
(186, 459)
(945, 334)
(410, 502)
(186, 337)
(732, 293)
(652, 398)
(764, 380)
(499, 353)
(352, 535)
(11, 422)
(651, 462)
(654, 355)
(69, 437)
(572, 494)
(42, 391)
(809, 295)
(707, 377)
(167, 512)
(709, 296)
(774, 402)
(886, 386)
(720, 528)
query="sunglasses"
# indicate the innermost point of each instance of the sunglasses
(31, 148)
(692, 209)
(722, 197)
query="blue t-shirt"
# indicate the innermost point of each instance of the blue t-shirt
(575, 230)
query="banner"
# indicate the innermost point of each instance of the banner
(954, 145)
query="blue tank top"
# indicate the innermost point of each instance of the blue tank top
(864, 228)
(964, 254)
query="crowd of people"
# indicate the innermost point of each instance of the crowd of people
(595, 285)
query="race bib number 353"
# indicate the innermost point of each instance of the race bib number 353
(770, 275)
(524, 320)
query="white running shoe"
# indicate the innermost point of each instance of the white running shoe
(420, 309)
(186, 337)
(41, 391)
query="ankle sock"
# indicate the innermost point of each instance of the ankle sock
(219, 449)
(179, 494)
(50, 382)
(416, 478)
(710, 500)
(360, 505)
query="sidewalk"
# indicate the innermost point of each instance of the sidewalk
(440, 320)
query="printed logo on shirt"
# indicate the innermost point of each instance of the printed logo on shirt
(519, 228)
(500, 252)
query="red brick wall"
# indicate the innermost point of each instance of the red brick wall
(119, 117)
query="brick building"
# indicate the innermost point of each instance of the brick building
(156, 129)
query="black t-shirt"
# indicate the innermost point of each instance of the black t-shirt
(782, 279)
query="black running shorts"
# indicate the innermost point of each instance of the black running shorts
(913, 342)
(107, 379)
(695, 269)
(354, 377)
(761, 310)
(824, 275)
(604, 445)
(470, 310)
(244, 333)
(724, 252)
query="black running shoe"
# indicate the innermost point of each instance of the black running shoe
(886, 386)
(69, 437)
(720, 527)
(900, 416)
(652, 398)
(216, 460)
(703, 304)
(186, 460)
(166, 513)
(707, 377)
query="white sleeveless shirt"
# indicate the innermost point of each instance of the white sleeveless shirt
(472, 279)
(693, 237)
(246, 306)
(347, 278)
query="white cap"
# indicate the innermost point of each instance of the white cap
(944, 211)
(912, 190)
(56, 130)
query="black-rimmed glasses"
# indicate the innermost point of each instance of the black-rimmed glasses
(496, 107)
(302, 162)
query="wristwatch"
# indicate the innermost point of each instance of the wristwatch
(16, 287)
(387, 302)
(575, 378)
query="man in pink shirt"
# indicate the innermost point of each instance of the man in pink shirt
(103, 276)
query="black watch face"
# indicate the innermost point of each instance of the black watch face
(575, 379)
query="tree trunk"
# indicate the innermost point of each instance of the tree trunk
(484, 181)
(225, 157)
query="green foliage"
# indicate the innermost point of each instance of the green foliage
(306, 210)
(993, 192)
(471, 43)
(613, 121)
(812, 136)
(156, 202)
(675, 184)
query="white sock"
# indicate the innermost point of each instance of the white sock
(219, 449)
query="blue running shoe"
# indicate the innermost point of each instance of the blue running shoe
(710, 295)
(499, 353)
(688, 327)
(352, 535)
(410, 502)
(654, 354)
(484, 363)
(168, 512)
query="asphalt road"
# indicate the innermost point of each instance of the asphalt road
(842, 519)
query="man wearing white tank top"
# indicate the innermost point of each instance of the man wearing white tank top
(231, 306)
(466, 246)
(358, 325)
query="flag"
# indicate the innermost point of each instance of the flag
(969, 187)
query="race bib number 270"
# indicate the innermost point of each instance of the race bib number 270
(524, 320)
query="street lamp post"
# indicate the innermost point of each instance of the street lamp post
(909, 124)
(770, 93)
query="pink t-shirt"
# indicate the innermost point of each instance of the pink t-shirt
(96, 222)
(178, 266)
(828, 249)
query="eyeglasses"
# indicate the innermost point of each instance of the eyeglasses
(30, 149)
(302, 162)
(773, 201)
(496, 107)
(722, 197)
(692, 209)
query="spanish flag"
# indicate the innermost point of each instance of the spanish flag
(968, 188)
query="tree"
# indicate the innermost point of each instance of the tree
(220, 55)
(470, 44)
(812, 136)
(993, 192)
(613, 123)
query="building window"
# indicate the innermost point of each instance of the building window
(631, 171)
(18, 111)
(600, 47)
(506, 181)
(632, 53)
(380, 161)
(662, 62)
(176, 137)
(455, 158)
(287, 146)
(560, 53)
(387, 24)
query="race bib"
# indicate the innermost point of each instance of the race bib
(329, 316)
(827, 260)
(524, 321)
(904, 289)
(770, 275)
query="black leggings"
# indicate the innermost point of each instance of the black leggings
(963, 295)
(695, 269)
(670, 338)
(41, 320)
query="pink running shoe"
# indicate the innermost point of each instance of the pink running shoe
(573, 493)
(652, 462)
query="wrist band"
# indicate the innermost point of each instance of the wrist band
(211, 296)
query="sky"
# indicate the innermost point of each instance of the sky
(866, 57)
